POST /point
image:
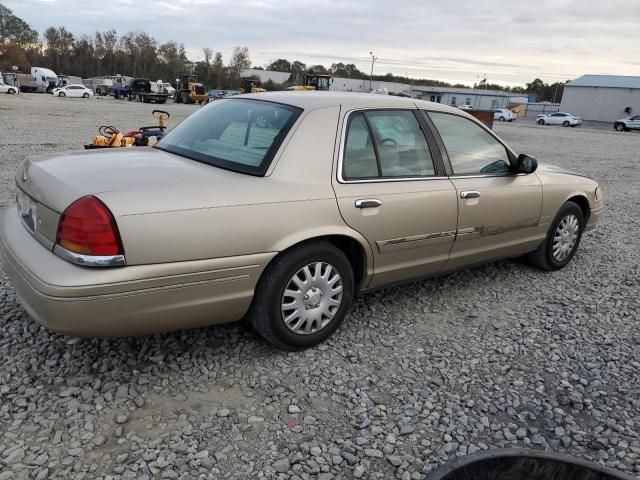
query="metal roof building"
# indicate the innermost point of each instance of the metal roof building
(478, 99)
(603, 98)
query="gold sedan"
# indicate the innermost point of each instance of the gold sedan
(279, 207)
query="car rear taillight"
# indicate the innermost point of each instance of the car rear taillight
(87, 227)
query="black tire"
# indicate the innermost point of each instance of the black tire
(186, 98)
(61, 94)
(502, 119)
(566, 123)
(11, 91)
(619, 127)
(85, 95)
(265, 315)
(541, 121)
(543, 257)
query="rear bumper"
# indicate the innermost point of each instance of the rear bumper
(133, 300)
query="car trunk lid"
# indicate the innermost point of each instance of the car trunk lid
(130, 181)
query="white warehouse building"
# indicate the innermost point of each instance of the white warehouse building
(478, 99)
(603, 98)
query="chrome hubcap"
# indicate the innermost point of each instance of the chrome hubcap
(565, 237)
(311, 298)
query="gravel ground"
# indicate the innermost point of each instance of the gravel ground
(498, 356)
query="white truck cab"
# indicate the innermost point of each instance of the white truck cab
(45, 79)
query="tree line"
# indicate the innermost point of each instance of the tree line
(138, 54)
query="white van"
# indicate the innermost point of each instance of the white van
(46, 80)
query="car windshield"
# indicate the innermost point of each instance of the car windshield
(241, 135)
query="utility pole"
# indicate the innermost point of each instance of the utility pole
(373, 61)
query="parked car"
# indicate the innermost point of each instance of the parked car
(216, 94)
(243, 210)
(465, 107)
(559, 118)
(504, 115)
(627, 124)
(10, 89)
(72, 91)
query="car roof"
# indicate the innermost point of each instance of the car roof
(311, 100)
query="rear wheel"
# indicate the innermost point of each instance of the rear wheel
(11, 91)
(303, 296)
(562, 241)
(566, 123)
(85, 95)
(541, 122)
(502, 119)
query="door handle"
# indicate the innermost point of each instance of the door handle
(470, 194)
(368, 203)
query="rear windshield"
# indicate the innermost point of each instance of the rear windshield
(240, 134)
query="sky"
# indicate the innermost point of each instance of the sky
(509, 42)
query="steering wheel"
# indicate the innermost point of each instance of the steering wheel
(392, 141)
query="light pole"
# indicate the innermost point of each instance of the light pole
(373, 60)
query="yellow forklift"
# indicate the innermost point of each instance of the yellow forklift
(313, 81)
(189, 90)
(252, 86)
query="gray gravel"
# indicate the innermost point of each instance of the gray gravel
(498, 356)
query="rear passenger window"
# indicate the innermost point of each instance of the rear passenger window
(359, 154)
(386, 144)
(471, 149)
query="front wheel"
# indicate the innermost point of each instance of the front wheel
(541, 122)
(61, 94)
(619, 127)
(562, 241)
(303, 296)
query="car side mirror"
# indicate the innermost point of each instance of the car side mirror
(526, 164)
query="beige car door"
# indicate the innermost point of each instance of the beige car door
(392, 190)
(499, 211)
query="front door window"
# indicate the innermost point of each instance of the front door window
(471, 149)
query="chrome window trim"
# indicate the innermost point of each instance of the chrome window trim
(89, 260)
(343, 137)
(488, 175)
